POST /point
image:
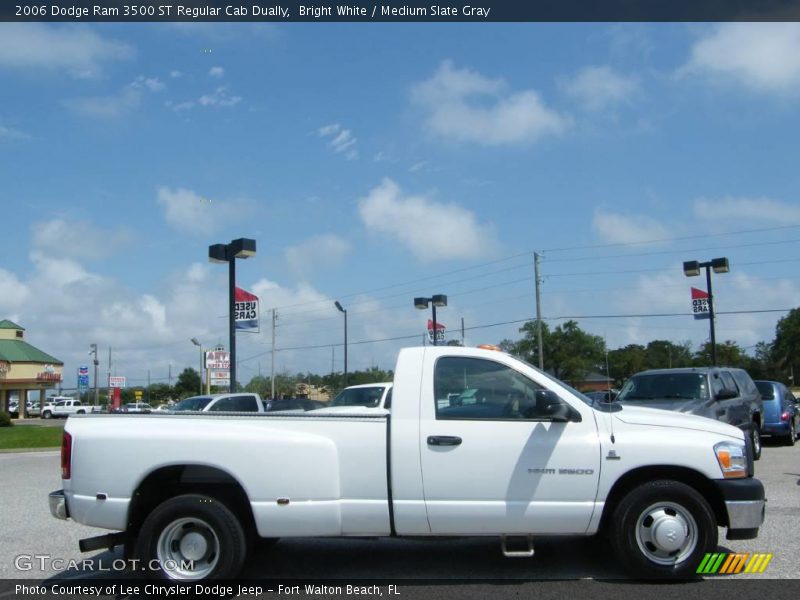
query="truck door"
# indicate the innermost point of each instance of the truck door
(494, 457)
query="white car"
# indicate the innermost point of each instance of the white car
(238, 402)
(64, 406)
(373, 398)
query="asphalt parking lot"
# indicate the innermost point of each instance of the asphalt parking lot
(29, 531)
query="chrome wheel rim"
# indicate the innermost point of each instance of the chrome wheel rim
(666, 533)
(188, 548)
(756, 441)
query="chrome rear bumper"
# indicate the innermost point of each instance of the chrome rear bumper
(58, 504)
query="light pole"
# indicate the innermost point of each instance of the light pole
(691, 268)
(221, 253)
(93, 352)
(197, 343)
(342, 310)
(435, 300)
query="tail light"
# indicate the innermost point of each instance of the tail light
(66, 456)
(786, 416)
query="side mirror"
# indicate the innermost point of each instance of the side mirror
(550, 405)
(726, 394)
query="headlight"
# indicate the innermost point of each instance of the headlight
(732, 459)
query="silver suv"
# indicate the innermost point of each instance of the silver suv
(720, 393)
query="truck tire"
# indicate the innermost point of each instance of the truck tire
(47, 415)
(662, 530)
(191, 538)
(755, 440)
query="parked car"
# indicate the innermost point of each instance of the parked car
(33, 409)
(13, 409)
(531, 457)
(64, 406)
(720, 393)
(781, 411)
(137, 407)
(368, 397)
(292, 404)
(238, 402)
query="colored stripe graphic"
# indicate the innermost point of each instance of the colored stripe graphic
(731, 564)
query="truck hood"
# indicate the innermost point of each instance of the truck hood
(638, 415)
(672, 404)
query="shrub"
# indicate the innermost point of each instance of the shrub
(5, 419)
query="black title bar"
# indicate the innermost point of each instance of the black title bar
(400, 10)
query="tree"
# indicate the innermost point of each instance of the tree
(786, 347)
(728, 353)
(571, 353)
(663, 354)
(188, 383)
(624, 362)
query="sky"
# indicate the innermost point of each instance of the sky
(373, 163)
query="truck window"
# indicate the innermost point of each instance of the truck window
(474, 388)
(730, 384)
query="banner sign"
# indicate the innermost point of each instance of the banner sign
(700, 306)
(440, 329)
(245, 309)
(116, 382)
(220, 377)
(218, 359)
(83, 379)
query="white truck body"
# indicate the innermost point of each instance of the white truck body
(424, 470)
(65, 406)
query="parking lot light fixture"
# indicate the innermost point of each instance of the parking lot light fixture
(437, 300)
(228, 253)
(692, 268)
(197, 343)
(344, 311)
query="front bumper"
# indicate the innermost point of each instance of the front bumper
(745, 503)
(58, 505)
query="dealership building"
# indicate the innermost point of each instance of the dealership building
(24, 368)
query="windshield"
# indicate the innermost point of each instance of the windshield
(369, 397)
(665, 386)
(193, 403)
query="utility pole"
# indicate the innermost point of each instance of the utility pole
(536, 259)
(108, 392)
(272, 377)
(462, 331)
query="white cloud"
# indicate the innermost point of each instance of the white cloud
(219, 97)
(122, 104)
(762, 56)
(596, 88)
(76, 49)
(747, 209)
(107, 107)
(175, 74)
(322, 251)
(190, 212)
(341, 140)
(216, 72)
(735, 291)
(10, 133)
(152, 84)
(465, 106)
(13, 293)
(431, 230)
(626, 229)
(78, 239)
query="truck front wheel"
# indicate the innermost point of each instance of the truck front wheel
(663, 529)
(191, 538)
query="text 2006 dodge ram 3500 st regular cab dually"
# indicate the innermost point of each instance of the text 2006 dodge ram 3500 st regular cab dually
(478, 443)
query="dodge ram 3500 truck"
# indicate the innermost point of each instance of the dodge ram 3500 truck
(478, 443)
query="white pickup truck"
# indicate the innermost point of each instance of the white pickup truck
(478, 443)
(359, 399)
(65, 406)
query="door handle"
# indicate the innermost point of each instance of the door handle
(444, 440)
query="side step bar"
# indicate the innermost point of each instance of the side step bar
(522, 546)
(108, 541)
